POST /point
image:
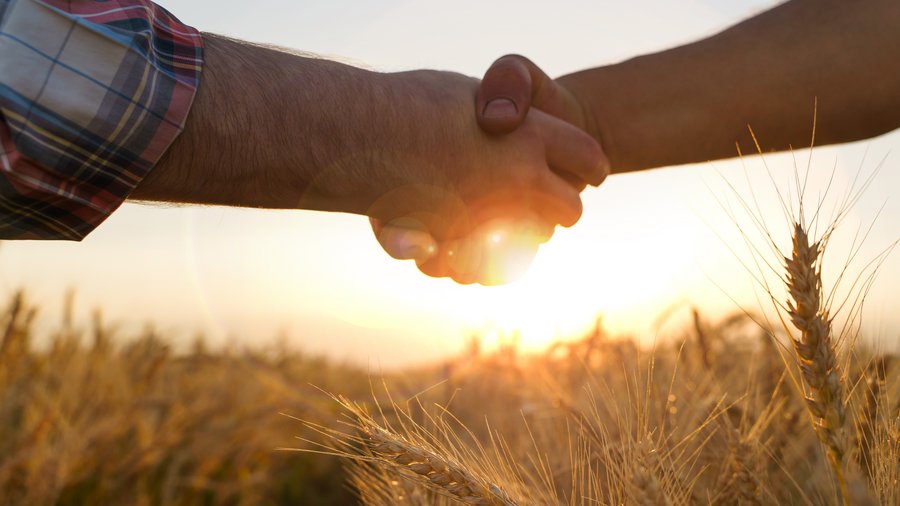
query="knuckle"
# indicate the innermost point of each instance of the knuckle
(574, 213)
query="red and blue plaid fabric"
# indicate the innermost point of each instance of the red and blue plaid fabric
(92, 93)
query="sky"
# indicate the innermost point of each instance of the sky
(648, 247)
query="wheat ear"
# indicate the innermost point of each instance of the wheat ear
(436, 472)
(647, 489)
(416, 455)
(815, 348)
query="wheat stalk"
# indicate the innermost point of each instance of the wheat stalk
(439, 473)
(647, 489)
(815, 348)
(434, 467)
(739, 482)
(869, 419)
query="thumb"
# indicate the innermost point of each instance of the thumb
(504, 95)
(510, 87)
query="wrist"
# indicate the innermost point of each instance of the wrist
(325, 134)
(412, 122)
(366, 141)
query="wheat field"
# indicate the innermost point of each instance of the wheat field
(710, 417)
(780, 406)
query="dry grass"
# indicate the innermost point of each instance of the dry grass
(99, 418)
(601, 422)
(711, 420)
(738, 411)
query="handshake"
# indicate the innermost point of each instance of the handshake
(468, 178)
(506, 166)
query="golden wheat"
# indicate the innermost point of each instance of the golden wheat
(815, 348)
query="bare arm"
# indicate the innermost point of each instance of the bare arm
(273, 129)
(694, 103)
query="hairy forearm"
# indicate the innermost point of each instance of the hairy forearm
(695, 103)
(272, 129)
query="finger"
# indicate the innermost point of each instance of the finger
(459, 259)
(404, 243)
(504, 96)
(511, 86)
(507, 256)
(526, 226)
(436, 266)
(556, 201)
(464, 258)
(490, 255)
(574, 181)
(573, 154)
(529, 228)
(536, 231)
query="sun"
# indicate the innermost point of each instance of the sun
(560, 292)
(625, 274)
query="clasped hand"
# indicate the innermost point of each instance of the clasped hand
(492, 195)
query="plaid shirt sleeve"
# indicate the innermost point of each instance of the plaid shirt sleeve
(92, 93)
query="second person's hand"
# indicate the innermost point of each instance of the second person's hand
(512, 219)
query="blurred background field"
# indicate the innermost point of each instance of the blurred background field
(710, 417)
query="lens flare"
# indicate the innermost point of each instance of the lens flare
(499, 252)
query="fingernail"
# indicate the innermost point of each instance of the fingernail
(500, 108)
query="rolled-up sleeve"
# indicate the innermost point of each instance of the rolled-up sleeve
(92, 93)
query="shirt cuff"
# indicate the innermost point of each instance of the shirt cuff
(91, 95)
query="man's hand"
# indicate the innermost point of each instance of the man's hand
(511, 190)
(694, 103)
(512, 85)
(498, 248)
(495, 253)
(273, 129)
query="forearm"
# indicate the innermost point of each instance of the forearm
(694, 103)
(272, 129)
(277, 130)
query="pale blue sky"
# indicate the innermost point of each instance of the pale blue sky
(323, 280)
